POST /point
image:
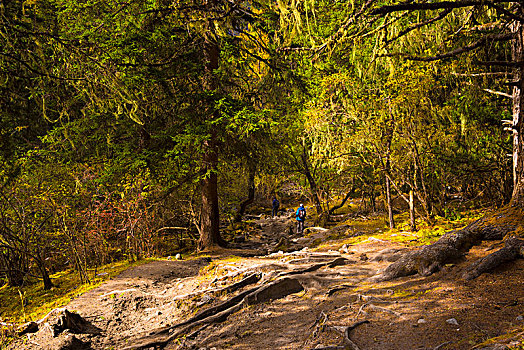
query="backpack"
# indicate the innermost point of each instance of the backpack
(301, 213)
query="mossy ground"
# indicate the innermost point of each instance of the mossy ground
(377, 226)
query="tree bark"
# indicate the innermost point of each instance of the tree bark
(506, 222)
(210, 233)
(312, 183)
(452, 246)
(390, 206)
(412, 222)
(517, 198)
(332, 210)
(210, 218)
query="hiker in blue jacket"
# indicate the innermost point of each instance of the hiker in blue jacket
(275, 206)
(301, 217)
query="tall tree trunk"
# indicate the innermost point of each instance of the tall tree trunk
(412, 222)
(390, 127)
(517, 198)
(209, 232)
(390, 206)
(312, 184)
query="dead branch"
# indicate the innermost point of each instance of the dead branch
(318, 325)
(481, 74)
(457, 51)
(415, 6)
(338, 288)
(383, 309)
(498, 93)
(419, 25)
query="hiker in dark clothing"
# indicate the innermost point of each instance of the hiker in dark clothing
(276, 205)
(301, 217)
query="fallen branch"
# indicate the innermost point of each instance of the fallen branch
(338, 288)
(383, 309)
(318, 325)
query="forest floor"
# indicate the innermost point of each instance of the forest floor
(438, 312)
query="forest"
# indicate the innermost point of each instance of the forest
(142, 129)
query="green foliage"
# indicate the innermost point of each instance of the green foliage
(106, 107)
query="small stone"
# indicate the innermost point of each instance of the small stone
(178, 256)
(170, 258)
(421, 320)
(344, 249)
(520, 318)
(452, 321)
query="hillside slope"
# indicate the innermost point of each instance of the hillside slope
(303, 299)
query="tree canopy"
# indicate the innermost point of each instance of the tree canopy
(122, 124)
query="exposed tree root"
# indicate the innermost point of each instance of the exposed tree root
(277, 289)
(274, 290)
(337, 262)
(251, 279)
(347, 343)
(74, 323)
(452, 246)
(513, 249)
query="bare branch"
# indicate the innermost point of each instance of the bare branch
(410, 6)
(419, 25)
(498, 93)
(500, 63)
(458, 51)
(342, 29)
(481, 74)
(508, 13)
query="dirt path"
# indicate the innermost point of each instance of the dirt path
(439, 312)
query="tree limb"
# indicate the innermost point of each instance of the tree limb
(498, 93)
(419, 25)
(410, 6)
(456, 52)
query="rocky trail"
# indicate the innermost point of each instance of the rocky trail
(272, 291)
